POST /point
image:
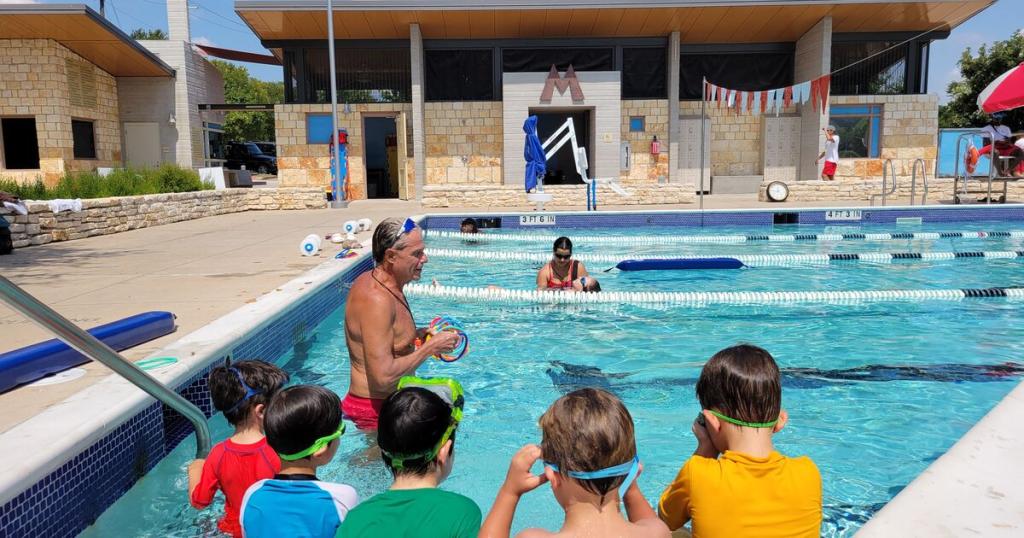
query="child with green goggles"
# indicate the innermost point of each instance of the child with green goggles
(416, 435)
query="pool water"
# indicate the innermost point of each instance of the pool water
(875, 391)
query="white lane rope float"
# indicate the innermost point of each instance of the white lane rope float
(497, 295)
(751, 260)
(677, 239)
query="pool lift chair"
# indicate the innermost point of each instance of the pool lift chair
(962, 178)
(536, 167)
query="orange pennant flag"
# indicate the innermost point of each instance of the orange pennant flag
(814, 95)
(787, 96)
(823, 89)
(750, 102)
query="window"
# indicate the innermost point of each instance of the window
(644, 73)
(84, 139)
(540, 60)
(636, 124)
(884, 74)
(318, 128)
(859, 128)
(21, 147)
(747, 71)
(365, 75)
(459, 75)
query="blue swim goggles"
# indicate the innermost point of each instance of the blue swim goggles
(249, 391)
(630, 469)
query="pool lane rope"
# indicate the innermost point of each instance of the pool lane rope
(677, 239)
(751, 260)
(506, 296)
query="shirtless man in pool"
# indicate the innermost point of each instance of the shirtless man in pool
(379, 327)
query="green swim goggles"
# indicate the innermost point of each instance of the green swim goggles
(317, 445)
(738, 422)
(451, 392)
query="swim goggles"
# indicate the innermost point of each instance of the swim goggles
(630, 469)
(738, 422)
(448, 390)
(249, 391)
(409, 226)
(317, 445)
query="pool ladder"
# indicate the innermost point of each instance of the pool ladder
(91, 347)
(889, 170)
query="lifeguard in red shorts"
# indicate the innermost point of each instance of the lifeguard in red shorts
(831, 154)
(379, 327)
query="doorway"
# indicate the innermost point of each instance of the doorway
(382, 157)
(561, 165)
(142, 144)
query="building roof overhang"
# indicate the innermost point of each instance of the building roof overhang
(86, 33)
(697, 21)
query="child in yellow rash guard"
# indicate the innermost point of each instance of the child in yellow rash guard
(736, 484)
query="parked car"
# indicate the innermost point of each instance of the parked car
(250, 155)
(268, 148)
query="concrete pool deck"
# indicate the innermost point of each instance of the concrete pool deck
(206, 268)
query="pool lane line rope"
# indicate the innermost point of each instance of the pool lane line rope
(752, 260)
(704, 297)
(676, 239)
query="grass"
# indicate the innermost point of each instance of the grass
(121, 182)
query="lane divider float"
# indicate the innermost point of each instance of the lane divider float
(676, 239)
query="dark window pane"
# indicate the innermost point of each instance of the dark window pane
(21, 147)
(84, 139)
(747, 71)
(365, 75)
(644, 73)
(884, 74)
(859, 130)
(459, 75)
(540, 60)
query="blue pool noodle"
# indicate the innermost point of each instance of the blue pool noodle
(677, 264)
(33, 362)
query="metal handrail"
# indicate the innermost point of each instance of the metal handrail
(91, 347)
(888, 169)
(913, 181)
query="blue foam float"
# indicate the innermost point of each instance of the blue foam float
(38, 360)
(677, 264)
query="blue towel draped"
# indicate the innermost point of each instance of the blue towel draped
(536, 162)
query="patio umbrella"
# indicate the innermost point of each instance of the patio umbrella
(1005, 92)
(536, 161)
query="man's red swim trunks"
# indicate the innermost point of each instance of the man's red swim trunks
(363, 411)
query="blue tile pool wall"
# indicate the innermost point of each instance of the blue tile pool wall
(870, 215)
(71, 497)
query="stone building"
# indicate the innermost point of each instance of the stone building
(77, 93)
(443, 88)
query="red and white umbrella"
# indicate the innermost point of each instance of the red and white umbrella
(1005, 92)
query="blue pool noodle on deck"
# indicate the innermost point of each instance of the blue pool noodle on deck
(677, 264)
(38, 360)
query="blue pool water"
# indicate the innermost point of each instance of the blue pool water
(869, 437)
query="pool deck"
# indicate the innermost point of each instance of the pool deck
(206, 268)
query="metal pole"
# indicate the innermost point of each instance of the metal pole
(703, 103)
(91, 347)
(339, 200)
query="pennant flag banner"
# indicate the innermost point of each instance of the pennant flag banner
(812, 92)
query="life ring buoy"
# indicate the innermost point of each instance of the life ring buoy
(971, 159)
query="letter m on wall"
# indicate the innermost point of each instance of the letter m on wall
(569, 81)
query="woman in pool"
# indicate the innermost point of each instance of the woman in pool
(562, 270)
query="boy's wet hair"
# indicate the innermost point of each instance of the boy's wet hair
(298, 416)
(588, 430)
(469, 222)
(412, 421)
(226, 391)
(592, 285)
(742, 382)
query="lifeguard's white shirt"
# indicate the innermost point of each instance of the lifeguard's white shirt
(996, 134)
(832, 149)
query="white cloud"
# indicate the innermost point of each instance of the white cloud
(201, 40)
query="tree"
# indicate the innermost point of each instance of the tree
(155, 34)
(975, 74)
(241, 88)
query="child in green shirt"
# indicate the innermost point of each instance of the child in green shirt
(416, 434)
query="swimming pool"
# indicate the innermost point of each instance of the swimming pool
(876, 390)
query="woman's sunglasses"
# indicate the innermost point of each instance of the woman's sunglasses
(563, 257)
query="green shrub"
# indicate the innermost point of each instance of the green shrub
(120, 182)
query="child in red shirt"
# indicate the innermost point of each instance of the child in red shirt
(242, 392)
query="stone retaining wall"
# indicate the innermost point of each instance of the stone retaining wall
(939, 190)
(102, 216)
(565, 196)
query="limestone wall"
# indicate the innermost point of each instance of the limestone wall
(34, 83)
(565, 196)
(736, 143)
(939, 190)
(910, 127)
(308, 165)
(102, 216)
(644, 167)
(463, 142)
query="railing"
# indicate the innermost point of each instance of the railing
(913, 182)
(91, 347)
(888, 170)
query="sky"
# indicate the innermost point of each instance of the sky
(214, 22)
